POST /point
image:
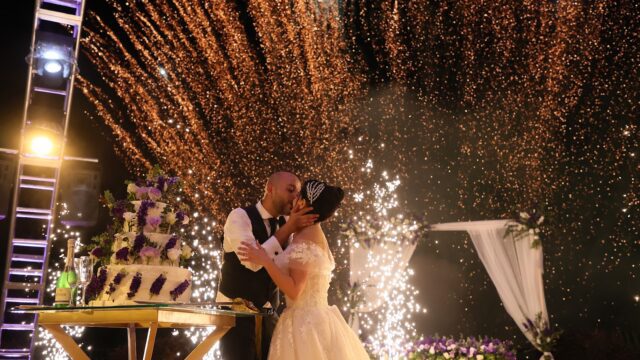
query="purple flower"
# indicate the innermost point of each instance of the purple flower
(135, 285)
(96, 284)
(161, 182)
(175, 293)
(141, 192)
(122, 254)
(154, 221)
(116, 281)
(142, 212)
(150, 252)
(157, 284)
(171, 243)
(139, 242)
(180, 217)
(97, 252)
(154, 194)
(119, 208)
(172, 180)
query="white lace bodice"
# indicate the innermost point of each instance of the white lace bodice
(318, 263)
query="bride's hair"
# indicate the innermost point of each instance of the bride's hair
(325, 199)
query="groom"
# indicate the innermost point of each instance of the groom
(263, 224)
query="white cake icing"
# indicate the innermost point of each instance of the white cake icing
(175, 276)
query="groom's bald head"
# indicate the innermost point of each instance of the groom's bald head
(280, 192)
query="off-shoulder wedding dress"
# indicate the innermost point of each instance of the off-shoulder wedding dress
(309, 328)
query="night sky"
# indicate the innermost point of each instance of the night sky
(479, 118)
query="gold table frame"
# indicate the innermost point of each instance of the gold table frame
(132, 318)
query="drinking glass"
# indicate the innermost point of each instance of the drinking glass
(84, 266)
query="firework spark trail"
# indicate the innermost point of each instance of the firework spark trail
(499, 100)
(222, 111)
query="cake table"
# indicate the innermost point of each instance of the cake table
(132, 317)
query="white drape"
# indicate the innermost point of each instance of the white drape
(514, 267)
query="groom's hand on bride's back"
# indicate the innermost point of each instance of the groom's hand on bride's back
(298, 220)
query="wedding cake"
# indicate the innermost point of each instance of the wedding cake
(142, 255)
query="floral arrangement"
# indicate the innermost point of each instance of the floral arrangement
(144, 230)
(526, 223)
(438, 348)
(143, 226)
(544, 338)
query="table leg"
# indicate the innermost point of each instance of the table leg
(131, 332)
(66, 341)
(201, 350)
(151, 340)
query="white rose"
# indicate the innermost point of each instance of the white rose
(186, 252)
(170, 218)
(129, 216)
(186, 220)
(132, 188)
(173, 254)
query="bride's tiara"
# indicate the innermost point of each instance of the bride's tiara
(314, 189)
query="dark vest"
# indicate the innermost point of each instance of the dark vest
(239, 282)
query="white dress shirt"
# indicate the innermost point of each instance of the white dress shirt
(238, 229)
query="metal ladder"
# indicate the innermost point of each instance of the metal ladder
(34, 193)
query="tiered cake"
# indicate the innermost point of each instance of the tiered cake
(141, 253)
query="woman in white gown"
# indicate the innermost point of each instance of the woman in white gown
(308, 328)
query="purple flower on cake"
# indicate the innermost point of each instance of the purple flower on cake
(96, 284)
(119, 208)
(171, 243)
(154, 194)
(135, 285)
(175, 293)
(172, 180)
(116, 281)
(182, 217)
(139, 242)
(154, 221)
(157, 285)
(141, 192)
(97, 252)
(150, 252)
(122, 254)
(145, 205)
(161, 183)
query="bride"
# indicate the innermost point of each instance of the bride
(309, 328)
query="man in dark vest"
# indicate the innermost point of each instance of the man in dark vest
(263, 224)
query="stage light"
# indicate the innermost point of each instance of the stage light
(43, 139)
(41, 145)
(52, 66)
(53, 59)
(53, 55)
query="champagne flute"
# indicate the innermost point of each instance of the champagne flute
(84, 265)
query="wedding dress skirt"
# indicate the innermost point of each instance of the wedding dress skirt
(309, 328)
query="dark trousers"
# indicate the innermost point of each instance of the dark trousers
(239, 343)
